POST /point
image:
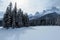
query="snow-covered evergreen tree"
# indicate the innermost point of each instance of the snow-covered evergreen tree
(7, 22)
(14, 17)
(10, 15)
(20, 17)
(5, 19)
(26, 20)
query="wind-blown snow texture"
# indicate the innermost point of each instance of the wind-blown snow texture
(31, 33)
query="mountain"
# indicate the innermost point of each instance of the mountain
(48, 19)
(37, 15)
(30, 15)
(50, 15)
(45, 12)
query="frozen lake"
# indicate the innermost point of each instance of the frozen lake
(31, 33)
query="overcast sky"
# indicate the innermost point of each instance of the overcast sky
(30, 6)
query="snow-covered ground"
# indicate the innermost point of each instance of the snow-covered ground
(31, 33)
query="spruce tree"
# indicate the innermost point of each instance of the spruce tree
(10, 15)
(20, 15)
(5, 19)
(14, 17)
(26, 20)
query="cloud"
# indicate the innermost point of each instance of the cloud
(32, 6)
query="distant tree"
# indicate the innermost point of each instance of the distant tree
(58, 20)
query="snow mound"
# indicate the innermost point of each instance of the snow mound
(31, 33)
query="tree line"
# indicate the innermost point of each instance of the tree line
(48, 19)
(15, 19)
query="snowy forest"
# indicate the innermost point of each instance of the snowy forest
(17, 18)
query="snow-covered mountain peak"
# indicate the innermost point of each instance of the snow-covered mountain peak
(47, 11)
